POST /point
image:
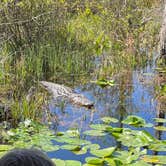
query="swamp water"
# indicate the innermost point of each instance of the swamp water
(133, 94)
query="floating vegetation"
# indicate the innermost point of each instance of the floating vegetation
(137, 142)
(103, 82)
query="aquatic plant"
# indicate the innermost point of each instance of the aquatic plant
(137, 143)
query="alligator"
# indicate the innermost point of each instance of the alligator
(65, 92)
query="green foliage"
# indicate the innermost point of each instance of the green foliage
(32, 134)
(136, 121)
(103, 82)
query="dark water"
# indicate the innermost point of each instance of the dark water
(133, 94)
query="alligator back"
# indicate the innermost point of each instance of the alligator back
(57, 90)
(62, 91)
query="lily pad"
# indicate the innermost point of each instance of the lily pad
(79, 152)
(160, 120)
(103, 152)
(154, 159)
(91, 146)
(108, 120)
(136, 121)
(103, 82)
(94, 133)
(160, 128)
(74, 141)
(71, 147)
(158, 146)
(140, 163)
(136, 138)
(5, 147)
(94, 160)
(72, 163)
(50, 147)
(101, 127)
(110, 161)
(58, 162)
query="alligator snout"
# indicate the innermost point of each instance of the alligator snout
(81, 100)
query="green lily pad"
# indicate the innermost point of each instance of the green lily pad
(136, 138)
(140, 163)
(91, 146)
(88, 164)
(101, 127)
(110, 161)
(50, 147)
(103, 82)
(94, 133)
(74, 141)
(94, 160)
(127, 157)
(5, 147)
(71, 147)
(58, 162)
(160, 128)
(158, 146)
(160, 120)
(103, 152)
(79, 152)
(154, 159)
(136, 121)
(108, 120)
(72, 163)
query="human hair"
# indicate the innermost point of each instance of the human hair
(25, 157)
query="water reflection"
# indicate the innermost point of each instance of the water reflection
(133, 94)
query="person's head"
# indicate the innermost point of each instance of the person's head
(25, 157)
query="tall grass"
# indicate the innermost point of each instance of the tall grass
(59, 40)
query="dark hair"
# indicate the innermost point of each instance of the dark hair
(25, 157)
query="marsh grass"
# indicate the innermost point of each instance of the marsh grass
(45, 44)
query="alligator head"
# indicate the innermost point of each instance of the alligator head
(81, 100)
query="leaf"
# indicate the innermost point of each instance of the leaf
(160, 120)
(72, 163)
(127, 157)
(136, 138)
(58, 162)
(140, 163)
(74, 141)
(93, 160)
(101, 127)
(80, 152)
(91, 146)
(154, 159)
(114, 129)
(160, 128)
(158, 146)
(89, 165)
(5, 147)
(103, 152)
(103, 82)
(110, 161)
(50, 147)
(108, 120)
(136, 121)
(71, 147)
(72, 133)
(94, 133)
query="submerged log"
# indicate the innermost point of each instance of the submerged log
(65, 92)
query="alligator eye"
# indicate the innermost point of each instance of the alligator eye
(90, 106)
